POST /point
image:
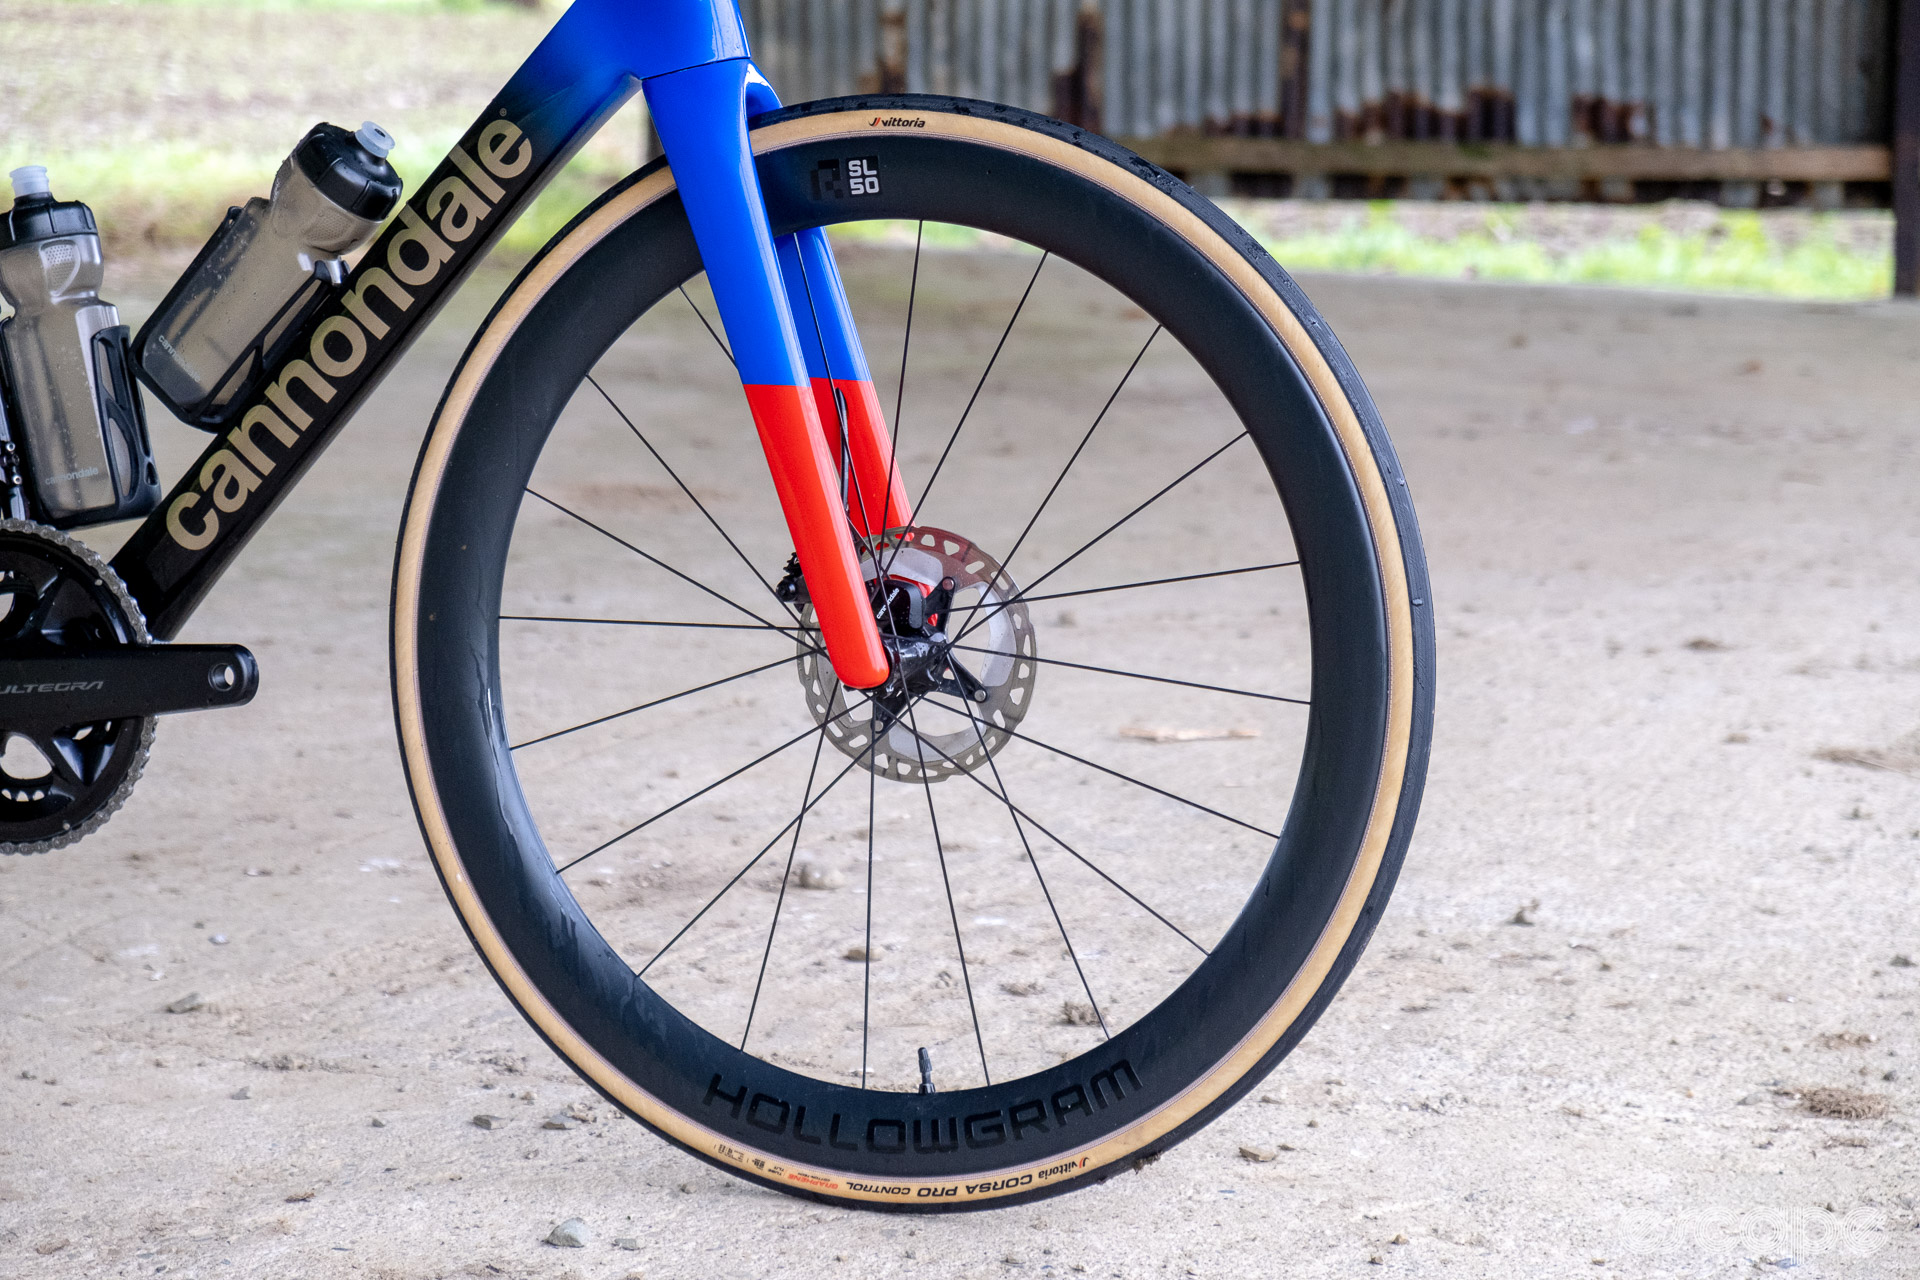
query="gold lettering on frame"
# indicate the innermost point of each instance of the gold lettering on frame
(358, 299)
(415, 255)
(476, 175)
(338, 327)
(496, 140)
(191, 539)
(419, 233)
(241, 437)
(227, 480)
(457, 207)
(281, 392)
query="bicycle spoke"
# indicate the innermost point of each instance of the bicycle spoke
(1021, 831)
(678, 804)
(775, 628)
(701, 506)
(797, 634)
(648, 557)
(1079, 448)
(953, 912)
(1133, 675)
(711, 684)
(825, 791)
(1084, 860)
(1156, 582)
(1062, 751)
(786, 875)
(711, 332)
(978, 386)
(900, 388)
(1097, 538)
(866, 954)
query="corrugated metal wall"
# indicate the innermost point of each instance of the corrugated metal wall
(1695, 73)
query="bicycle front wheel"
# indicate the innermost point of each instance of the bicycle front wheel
(1105, 865)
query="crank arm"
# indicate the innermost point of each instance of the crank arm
(62, 690)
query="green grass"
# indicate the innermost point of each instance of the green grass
(162, 113)
(1738, 253)
(172, 196)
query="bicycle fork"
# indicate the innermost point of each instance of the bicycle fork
(796, 349)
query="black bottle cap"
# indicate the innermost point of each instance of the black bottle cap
(41, 217)
(347, 173)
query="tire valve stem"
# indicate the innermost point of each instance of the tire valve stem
(926, 1071)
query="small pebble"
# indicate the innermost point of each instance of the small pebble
(1259, 1155)
(860, 953)
(811, 875)
(561, 1121)
(1376, 1260)
(376, 1123)
(1901, 962)
(484, 1121)
(218, 939)
(1753, 1099)
(630, 1243)
(1399, 1238)
(571, 1234)
(241, 1094)
(188, 1003)
(300, 1197)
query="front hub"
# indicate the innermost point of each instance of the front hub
(961, 652)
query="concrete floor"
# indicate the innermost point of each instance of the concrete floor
(1674, 545)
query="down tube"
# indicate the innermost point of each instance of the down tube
(587, 65)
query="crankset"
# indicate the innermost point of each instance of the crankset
(154, 680)
(80, 685)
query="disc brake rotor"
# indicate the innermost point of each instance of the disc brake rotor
(946, 710)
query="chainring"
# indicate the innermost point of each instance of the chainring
(935, 740)
(58, 597)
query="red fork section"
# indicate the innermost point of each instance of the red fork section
(877, 496)
(808, 483)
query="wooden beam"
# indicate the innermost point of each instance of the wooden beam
(1906, 152)
(1194, 153)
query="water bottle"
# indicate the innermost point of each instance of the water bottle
(265, 271)
(76, 413)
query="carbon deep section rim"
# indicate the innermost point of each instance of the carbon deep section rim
(1332, 871)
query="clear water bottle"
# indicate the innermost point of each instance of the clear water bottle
(265, 271)
(76, 412)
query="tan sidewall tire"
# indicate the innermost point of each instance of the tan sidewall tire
(1395, 546)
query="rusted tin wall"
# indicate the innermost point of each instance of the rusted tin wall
(1694, 73)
